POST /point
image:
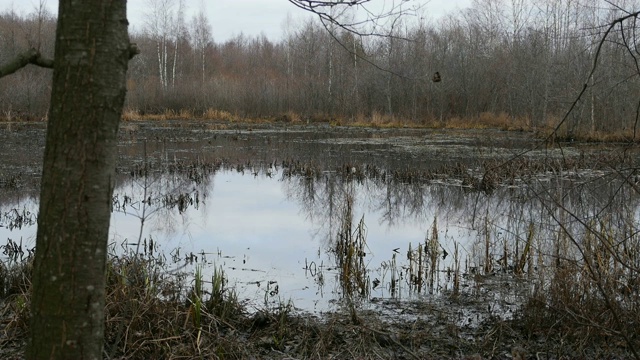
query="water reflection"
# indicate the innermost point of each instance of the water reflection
(320, 236)
(316, 236)
(329, 226)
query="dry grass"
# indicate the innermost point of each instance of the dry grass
(485, 120)
(291, 117)
(213, 114)
(155, 313)
(151, 313)
(209, 114)
(130, 115)
(9, 116)
(565, 133)
(380, 120)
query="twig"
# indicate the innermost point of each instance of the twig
(408, 351)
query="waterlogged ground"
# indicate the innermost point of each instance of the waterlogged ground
(438, 226)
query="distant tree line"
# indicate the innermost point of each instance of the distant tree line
(523, 60)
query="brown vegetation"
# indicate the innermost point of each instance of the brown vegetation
(571, 276)
(488, 75)
(155, 313)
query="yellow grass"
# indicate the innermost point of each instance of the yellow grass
(380, 120)
(291, 117)
(488, 120)
(130, 115)
(214, 114)
(485, 120)
(563, 132)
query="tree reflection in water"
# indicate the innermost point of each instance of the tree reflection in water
(368, 233)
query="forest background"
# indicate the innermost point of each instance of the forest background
(512, 64)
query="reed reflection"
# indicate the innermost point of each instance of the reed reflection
(367, 232)
(519, 230)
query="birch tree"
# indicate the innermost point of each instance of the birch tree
(179, 33)
(201, 37)
(159, 26)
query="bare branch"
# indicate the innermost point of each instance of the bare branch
(611, 26)
(312, 5)
(363, 58)
(31, 56)
(328, 19)
(323, 10)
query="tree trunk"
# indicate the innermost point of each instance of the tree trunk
(165, 58)
(159, 48)
(92, 51)
(175, 63)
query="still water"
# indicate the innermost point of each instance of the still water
(319, 217)
(275, 235)
(275, 239)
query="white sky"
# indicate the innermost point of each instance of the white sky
(230, 17)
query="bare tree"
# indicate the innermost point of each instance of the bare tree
(201, 37)
(159, 26)
(179, 31)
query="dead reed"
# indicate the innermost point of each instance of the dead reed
(350, 252)
(578, 266)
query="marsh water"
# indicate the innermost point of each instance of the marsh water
(319, 214)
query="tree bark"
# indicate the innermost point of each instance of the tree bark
(92, 51)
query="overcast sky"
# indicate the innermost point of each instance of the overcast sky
(230, 17)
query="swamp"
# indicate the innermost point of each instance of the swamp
(286, 241)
